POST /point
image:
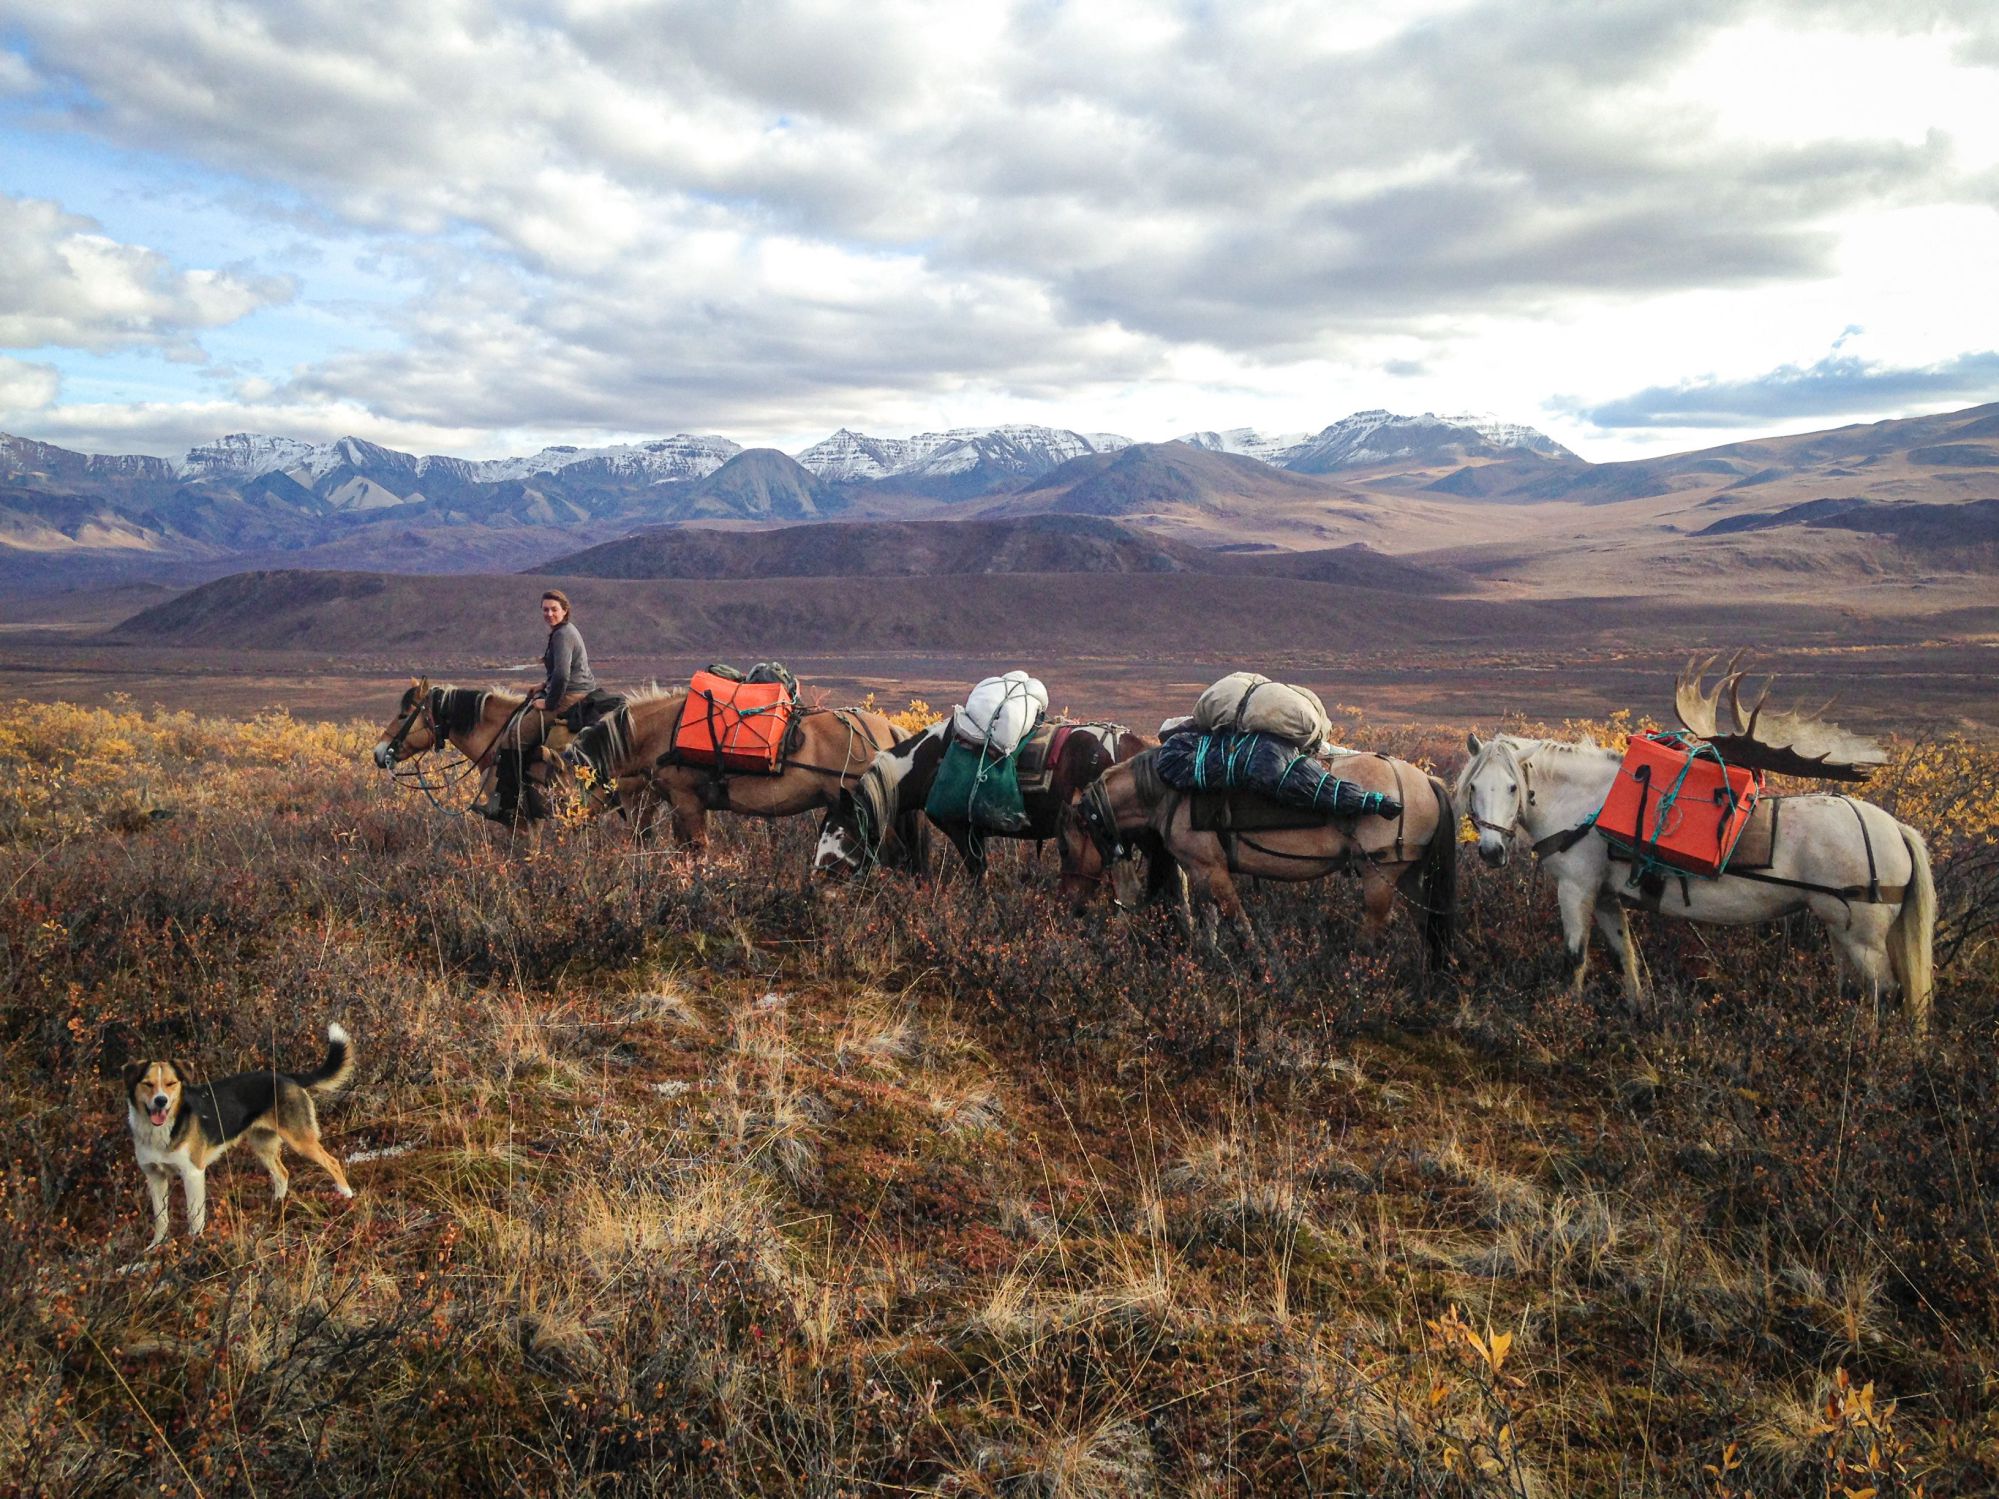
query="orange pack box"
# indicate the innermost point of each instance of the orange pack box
(737, 725)
(1676, 802)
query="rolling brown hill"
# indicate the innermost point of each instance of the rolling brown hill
(1042, 614)
(1053, 543)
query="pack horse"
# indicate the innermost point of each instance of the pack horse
(1863, 875)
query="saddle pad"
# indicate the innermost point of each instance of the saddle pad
(1756, 848)
(1040, 753)
(1246, 812)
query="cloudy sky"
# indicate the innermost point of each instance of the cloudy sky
(477, 228)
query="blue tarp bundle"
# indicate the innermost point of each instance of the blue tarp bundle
(1268, 766)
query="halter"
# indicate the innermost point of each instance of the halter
(1093, 810)
(1525, 798)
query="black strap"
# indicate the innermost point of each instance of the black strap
(1873, 878)
(1562, 842)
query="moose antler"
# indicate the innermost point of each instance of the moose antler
(1794, 744)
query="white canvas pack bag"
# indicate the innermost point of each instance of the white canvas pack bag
(1000, 712)
(1245, 702)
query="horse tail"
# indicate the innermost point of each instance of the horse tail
(1437, 880)
(1911, 937)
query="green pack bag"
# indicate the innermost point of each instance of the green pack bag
(980, 788)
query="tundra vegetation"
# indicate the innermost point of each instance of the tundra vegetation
(684, 1179)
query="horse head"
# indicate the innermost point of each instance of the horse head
(843, 843)
(414, 730)
(1490, 789)
(1085, 858)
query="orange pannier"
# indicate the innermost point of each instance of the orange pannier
(1674, 802)
(737, 725)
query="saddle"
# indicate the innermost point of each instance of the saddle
(1040, 753)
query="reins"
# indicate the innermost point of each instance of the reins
(448, 774)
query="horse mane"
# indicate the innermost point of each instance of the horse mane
(652, 692)
(461, 708)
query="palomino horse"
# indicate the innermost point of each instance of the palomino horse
(1865, 876)
(472, 720)
(1414, 852)
(632, 752)
(878, 808)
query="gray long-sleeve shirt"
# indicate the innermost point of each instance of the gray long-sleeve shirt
(568, 664)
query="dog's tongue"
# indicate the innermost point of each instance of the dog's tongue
(158, 1116)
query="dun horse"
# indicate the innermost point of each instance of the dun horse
(477, 722)
(631, 752)
(1414, 853)
(1865, 876)
(870, 821)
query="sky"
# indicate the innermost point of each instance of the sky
(477, 229)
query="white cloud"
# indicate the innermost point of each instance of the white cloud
(25, 388)
(63, 284)
(781, 215)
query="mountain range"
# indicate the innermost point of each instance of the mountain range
(250, 497)
(1490, 499)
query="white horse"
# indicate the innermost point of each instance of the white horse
(1864, 875)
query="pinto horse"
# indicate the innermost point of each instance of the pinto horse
(871, 818)
(478, 722)
(1864, 875)
(633, 763)
(1414, 852)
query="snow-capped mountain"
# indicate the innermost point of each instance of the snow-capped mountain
(1369, 437)
(248, 455)
(848, 456)
(1247, 442)
(244, 455)
(664, 460)
(1023, 450)
(1016, 450)
(24, 458)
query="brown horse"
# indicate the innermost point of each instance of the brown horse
(1414, 852)
(870, 821)
(481, 723)
(632, 754)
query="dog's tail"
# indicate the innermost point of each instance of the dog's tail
(331, 1075)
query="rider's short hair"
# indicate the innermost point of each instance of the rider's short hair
(561, 598)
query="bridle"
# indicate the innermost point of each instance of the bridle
(1093, 810)
(1523, 795)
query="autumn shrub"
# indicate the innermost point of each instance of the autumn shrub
(693, 1175)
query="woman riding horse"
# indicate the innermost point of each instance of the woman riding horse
(568, 693)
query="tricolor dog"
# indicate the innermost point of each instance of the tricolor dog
(181, 1127)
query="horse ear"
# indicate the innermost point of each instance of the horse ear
(1473, 743)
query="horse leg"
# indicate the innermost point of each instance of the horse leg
(690, 819)
(1228, 902)
(1860, 933)
(1377, 898)
(1613, 922)
(970, 847)
(1577, 903)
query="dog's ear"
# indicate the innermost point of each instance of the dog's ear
(133, 1071)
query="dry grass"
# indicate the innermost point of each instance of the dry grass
(672, 1179)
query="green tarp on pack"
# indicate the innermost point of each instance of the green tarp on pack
(978, 787)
